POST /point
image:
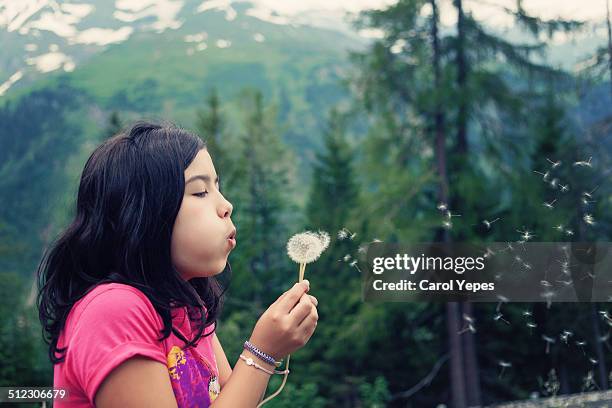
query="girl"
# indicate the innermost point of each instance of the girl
(129, 295)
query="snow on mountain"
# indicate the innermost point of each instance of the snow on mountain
(82, 28)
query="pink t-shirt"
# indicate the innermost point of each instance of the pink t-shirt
(114, 322)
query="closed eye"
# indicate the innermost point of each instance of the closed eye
(202, 194)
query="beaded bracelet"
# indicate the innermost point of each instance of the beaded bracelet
(265, 357)
(249, 361)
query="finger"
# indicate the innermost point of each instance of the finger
(312, 313)
(301, 310)
(309, 325)
(293, 296)
(314, 300)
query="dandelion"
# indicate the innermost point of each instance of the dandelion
(303, 248)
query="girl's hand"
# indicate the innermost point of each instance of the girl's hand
(288, 323)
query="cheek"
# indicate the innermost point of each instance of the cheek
(189, 236)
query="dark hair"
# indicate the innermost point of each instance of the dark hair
(129, 196)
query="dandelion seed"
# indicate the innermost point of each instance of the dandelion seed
(488, 253)
(342, 234)
(488, 223)
(581, 344)
(588, 218)
(564, 188)
(449, 215)
(353, 235)
(569, 232)
(502, 299)
(544, 175)
(545, 283)
(554, 165)
(586, 202)
(549, 341)
(346, 258)
(469, 326)
(503, 365)
(531, 326)
(362, 249)
(584, 163)
(565, 335)
(549, 205)
(376, 240)
(527, 313)
(447, 224)
(559, 227)
(525, 235)
(527, 265)
(553, 183)
(604, 338)
(566, 283)
(593, 361)
(500, 316)
(442, 207)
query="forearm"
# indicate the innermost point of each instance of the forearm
(246, 386)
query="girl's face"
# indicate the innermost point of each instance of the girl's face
(200, 244)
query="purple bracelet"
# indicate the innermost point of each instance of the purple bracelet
(265, 357)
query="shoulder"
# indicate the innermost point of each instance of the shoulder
(110, 299)
(115, 311)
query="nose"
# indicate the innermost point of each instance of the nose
(226, 209)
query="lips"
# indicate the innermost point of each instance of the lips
(231, 238)
(232, 234)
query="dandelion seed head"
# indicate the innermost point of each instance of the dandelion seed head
(306, 247)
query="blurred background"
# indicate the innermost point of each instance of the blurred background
(375, 120)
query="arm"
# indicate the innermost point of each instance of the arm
(224, 367)
(246, 385)
(138, 382)
(225, 370)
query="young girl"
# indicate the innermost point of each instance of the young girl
(129, 296)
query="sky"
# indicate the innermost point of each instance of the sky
(578, 9)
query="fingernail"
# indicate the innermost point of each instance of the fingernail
(306, 282)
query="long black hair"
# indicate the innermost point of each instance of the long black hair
(129, 195)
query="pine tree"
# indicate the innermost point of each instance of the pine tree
(263, 210)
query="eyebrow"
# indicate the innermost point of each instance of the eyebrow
(205, 177)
